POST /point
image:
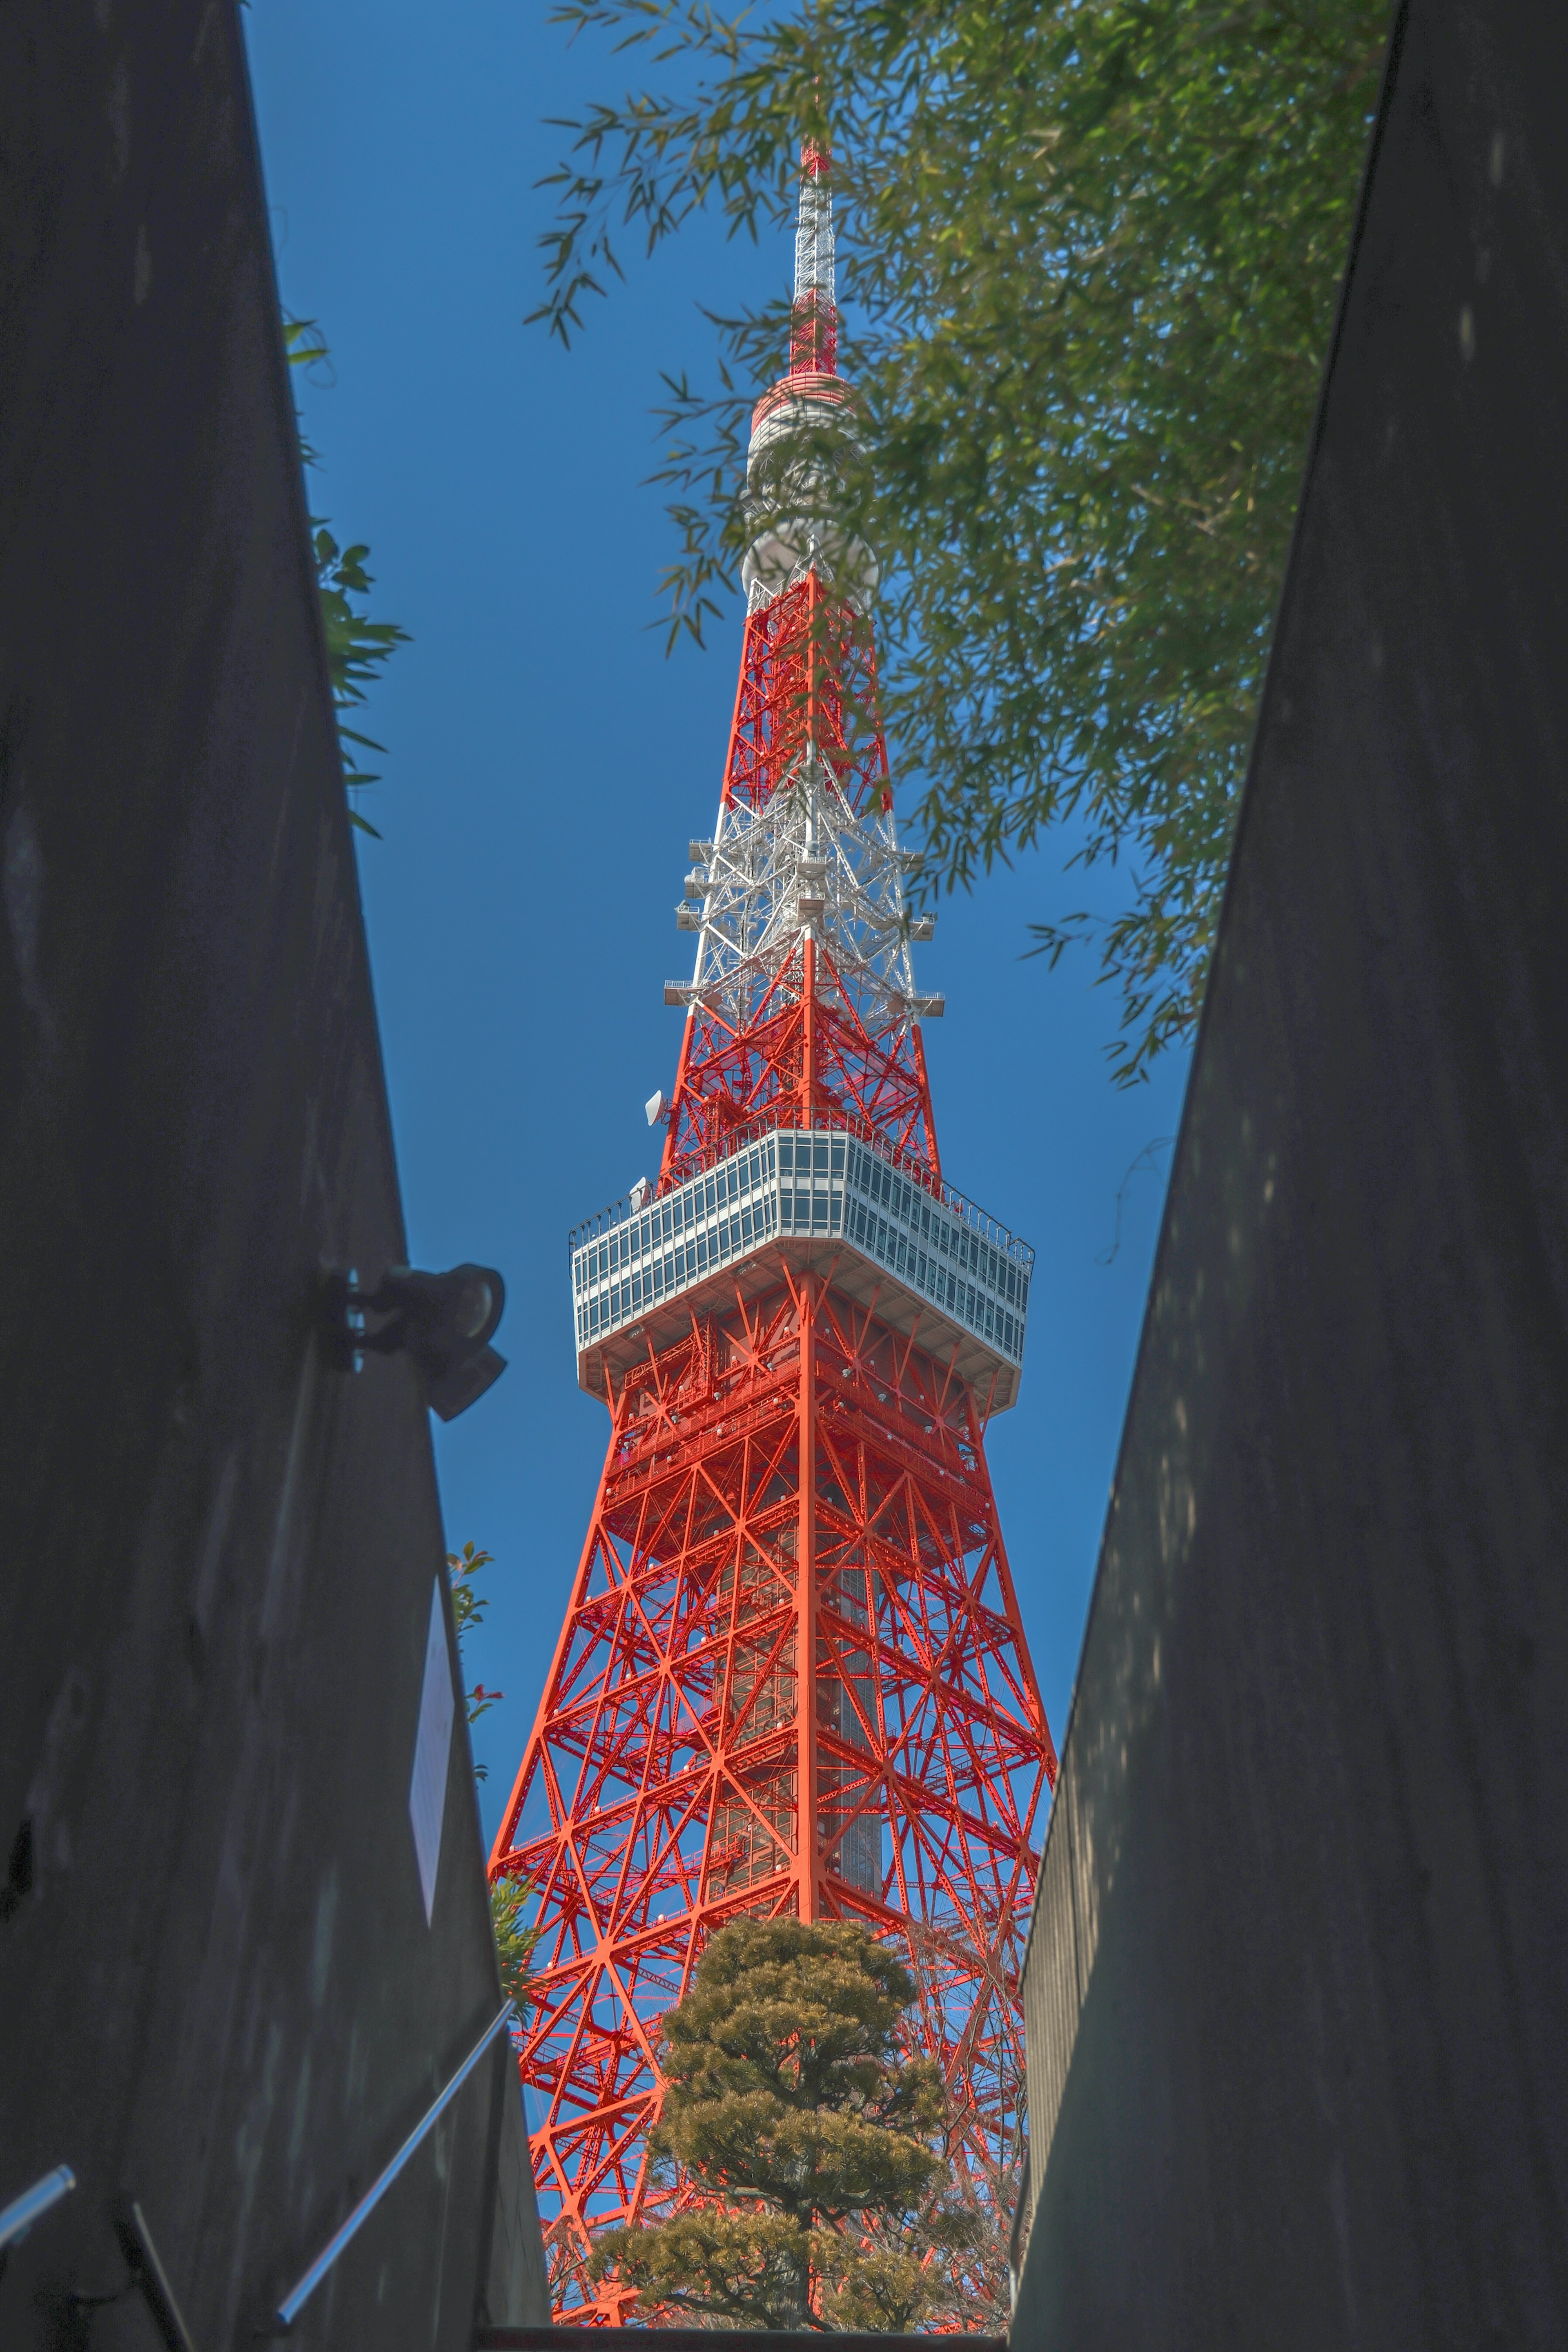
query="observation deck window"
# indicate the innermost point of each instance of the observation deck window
(806, 1184)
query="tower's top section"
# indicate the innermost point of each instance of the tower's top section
(802, 997)
(814, 318)
(803, 426)
(812, 389)
(814, 231)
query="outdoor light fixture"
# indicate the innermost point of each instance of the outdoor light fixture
(443, 1321)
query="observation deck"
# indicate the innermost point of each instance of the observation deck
(826, 1197)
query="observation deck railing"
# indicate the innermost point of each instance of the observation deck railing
(907, 1163)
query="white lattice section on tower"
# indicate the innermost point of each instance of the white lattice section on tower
(804, 862)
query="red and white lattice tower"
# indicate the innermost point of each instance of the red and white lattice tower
(792, 1676)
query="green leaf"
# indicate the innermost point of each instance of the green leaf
(357, 646)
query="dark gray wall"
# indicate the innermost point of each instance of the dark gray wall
(1299, 1983)
(217, 1988)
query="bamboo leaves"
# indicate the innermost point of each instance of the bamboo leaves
(1090, 249)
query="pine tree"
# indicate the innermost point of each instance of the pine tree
(791, 2107)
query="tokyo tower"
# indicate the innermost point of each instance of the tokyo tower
(792, 1676)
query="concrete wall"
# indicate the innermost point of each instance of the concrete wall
(1299, 1980)
(218, 1990)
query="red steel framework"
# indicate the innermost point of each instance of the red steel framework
(792, 1676)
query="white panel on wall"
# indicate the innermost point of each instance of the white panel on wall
(431, 1749)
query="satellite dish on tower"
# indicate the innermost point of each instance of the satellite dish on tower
(654, 1105)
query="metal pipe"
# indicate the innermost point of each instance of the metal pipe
(17, 2218)
(149, 2276)
(289, 2310)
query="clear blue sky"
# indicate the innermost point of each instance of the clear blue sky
(547, 765)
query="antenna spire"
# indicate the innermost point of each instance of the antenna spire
(814, 318)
